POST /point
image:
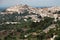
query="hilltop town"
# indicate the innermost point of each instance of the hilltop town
(52, 12)
(23, 22)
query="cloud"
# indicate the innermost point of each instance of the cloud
(0, 1)
(30, 2)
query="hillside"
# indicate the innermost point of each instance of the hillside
(23, 22)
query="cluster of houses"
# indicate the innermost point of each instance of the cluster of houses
(43, 12)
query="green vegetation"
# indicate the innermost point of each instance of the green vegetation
(28, 30)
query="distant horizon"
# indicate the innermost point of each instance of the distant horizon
(28, 5)
(4, 7)
(33, 3)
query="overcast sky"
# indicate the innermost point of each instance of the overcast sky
(34, 3)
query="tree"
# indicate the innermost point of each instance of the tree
(57, 38)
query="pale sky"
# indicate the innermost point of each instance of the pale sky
(34, 3)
